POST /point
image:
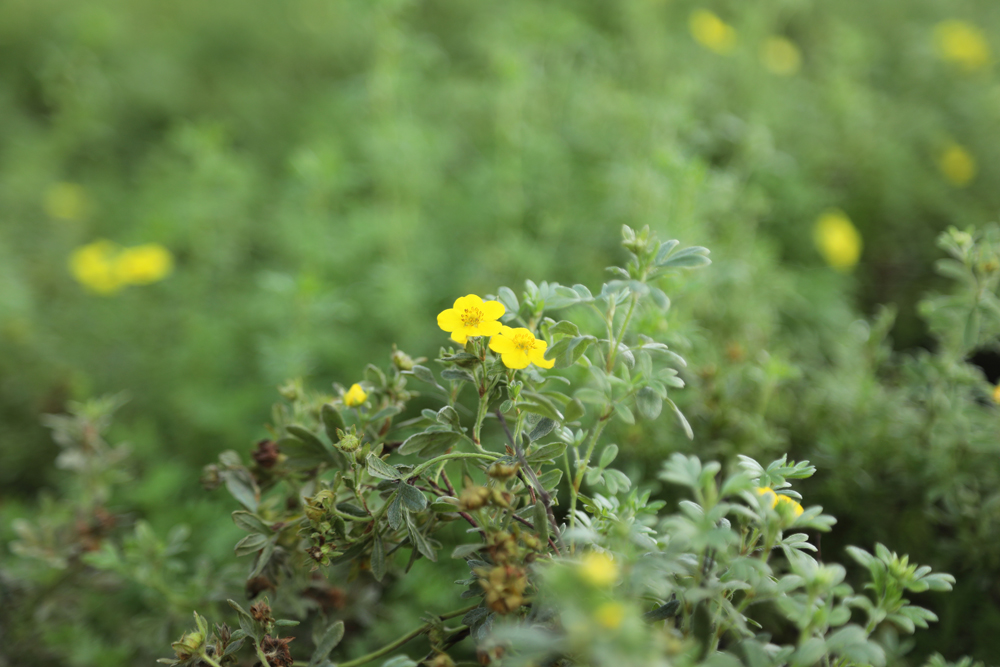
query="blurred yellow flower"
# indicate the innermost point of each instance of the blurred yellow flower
(471, 316)
(957, 165)
(837, 240)
(962, 44)
(598, 569)
(780, 56)
(93, 266)
(355, 396)
(144, 264)
(610, 615)
(996, 394)
(773, 498)
(712, 32)
(66, 201)
(519, 347)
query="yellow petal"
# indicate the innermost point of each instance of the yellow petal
(449, 320)
(503, 345)
(538, 358)
(515, 359)
(459, 338)
(488, 328)
(468, 301)
(506, 330)
(493, 310)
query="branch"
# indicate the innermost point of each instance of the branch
(529, 471)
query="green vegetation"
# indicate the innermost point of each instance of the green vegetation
(288, 190)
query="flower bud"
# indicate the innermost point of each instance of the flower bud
(190, 645)
(349, 440)
(261, 612)
(210, 478)
(473, 497)
(402, 360)
(266, 454)
(502, 471)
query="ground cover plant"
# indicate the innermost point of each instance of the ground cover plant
(200, 200)
(342, 496)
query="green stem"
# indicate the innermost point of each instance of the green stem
(389, 648)
(621, 333)
(454, 455)
(574, 487)
(204, 656)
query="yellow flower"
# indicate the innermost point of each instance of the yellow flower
(996, 394)
(774, 499)
(610, 615)
(144, 264)
(962, 44)
(711, 32)
(598, 569)
(780, 56)
(837, 240)
(93, 266)
(471, 316)
(355, 396)
(957, 165)
(768, 491)
(66, 201)
(794, 504)
(519, 347)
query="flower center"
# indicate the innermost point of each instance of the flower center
(471, 317)
(524, 341)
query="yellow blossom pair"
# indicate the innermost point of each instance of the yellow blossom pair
(775, 498)
(105, 268)
(471, 316)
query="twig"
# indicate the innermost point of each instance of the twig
(529, 471)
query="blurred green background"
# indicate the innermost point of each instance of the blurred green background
(329, 174)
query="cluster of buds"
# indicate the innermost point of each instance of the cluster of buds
(476, 497)
(502, 471)
(504, 586)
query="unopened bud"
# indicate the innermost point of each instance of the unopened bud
(266, 454)
(503, 471)
(473, 497)
(349, 440)
(189, 645)
(402, 360)
(210, 478)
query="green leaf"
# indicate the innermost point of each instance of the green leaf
(624, 413)
(332, 420)
(412, 498)
(331, 637)
(682, 419)
(649, 403)
(506, 296)
(242, 488)
(547, 453)
(574, 410)
(608, 455)
(352, 510)
(542, 428)
(429, 442)
(564, 327)
(424, 374)
(263, 558)
(378, 564)
(250, 544)
(463, 550)
(550, 479)
(251, 523)
(305, 435)
(419, 541)
(303, 454)
(378, 468)
(541, 521)
(395, 512)
(458, 374)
